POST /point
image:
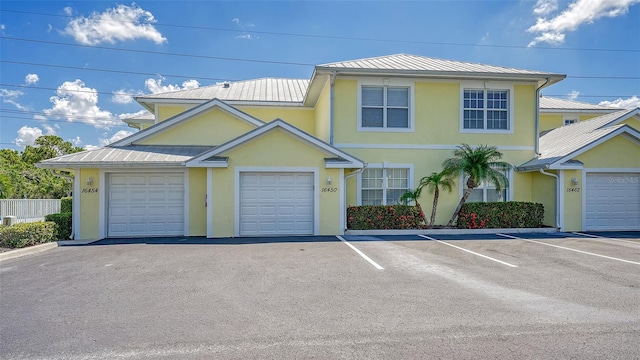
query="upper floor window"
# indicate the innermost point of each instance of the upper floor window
(380, 186)
(569, 120)
(385, 107)
(486, 107)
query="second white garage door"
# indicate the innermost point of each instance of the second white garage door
(276, 204)
(612, 201)
(145, 204)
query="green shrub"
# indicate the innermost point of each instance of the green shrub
(384, 217)
(66, 205)
(63, 220)
(27, 234)
(512, 214)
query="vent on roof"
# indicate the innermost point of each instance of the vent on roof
(225, 85)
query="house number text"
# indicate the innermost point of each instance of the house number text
(89, 190)
(573, 189)
(329, 189)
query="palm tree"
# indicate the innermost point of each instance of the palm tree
(435, 182)
(410, 195)
(478, 164)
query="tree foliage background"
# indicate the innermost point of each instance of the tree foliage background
(20, 178)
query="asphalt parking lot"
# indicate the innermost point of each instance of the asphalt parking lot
(564, 295)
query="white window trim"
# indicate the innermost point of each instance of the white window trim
(485, 85)
(574, 118)
(384, 166)
(390, 82)
(462, 183)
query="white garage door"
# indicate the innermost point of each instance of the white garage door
(145, 204)
(613, 201)
(276, 204)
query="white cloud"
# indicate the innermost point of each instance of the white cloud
(132, 115)
(76, 141)
(630, 103)
(31, 79)
(50, 130)
(120, 23)
(27, 135)
(68, 11)
(156, 87)
(123, 96)
(11, 97)
(545, 7)
(247, 37)
(91, 147)
(115, 137)
(577, 13)
(235, 20)
(77, 103)
(573, 95)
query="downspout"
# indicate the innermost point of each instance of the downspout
(332, 80)
(537, 122)
(70, 178)
(557, 196)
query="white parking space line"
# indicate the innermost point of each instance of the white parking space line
(469, 251)
(606, 238)
(375, 264)
(570, 249)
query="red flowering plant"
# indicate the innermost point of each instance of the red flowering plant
(384, 217)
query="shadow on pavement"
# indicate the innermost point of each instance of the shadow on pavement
(196, 240)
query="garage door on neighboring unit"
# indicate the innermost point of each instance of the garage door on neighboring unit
(145, 204)
(276, 203)
(613, 201)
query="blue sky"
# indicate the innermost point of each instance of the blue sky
(70, 68)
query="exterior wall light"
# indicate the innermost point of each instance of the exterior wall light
(329, 180)
(89, 181)
(574, 181)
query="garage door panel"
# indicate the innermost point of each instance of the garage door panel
(283, 203)
(145, 204)
(612, 201)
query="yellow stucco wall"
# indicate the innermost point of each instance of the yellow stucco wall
(572, 200)
(550, 121)
(619, 152)
(437, 117)
(323, 114)
(275, 149)
(167, 111)
(302, 118)
(543, 190)
(89, 205)
(633, 122)
(214, 127)
(197, 197)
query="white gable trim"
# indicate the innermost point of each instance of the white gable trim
(626, 129)
(186, 115)
(352, 162)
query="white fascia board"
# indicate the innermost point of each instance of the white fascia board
(208, 164)
(111, 165)
(343, 165)
(269, 126)
(555, 166)
(626, 129)
(188, 114)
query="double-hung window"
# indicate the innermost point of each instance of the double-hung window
(486, 192)
(485, 109)
(385, 107)
(383, 186)
(568, 120)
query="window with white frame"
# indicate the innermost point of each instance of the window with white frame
(383, 186)
(385, 107)
(486, 191)
(570, 120)
(485, 109)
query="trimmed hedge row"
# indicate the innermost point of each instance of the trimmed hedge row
(511, 214)
(63, 220)
(384, 217)
(27, 234)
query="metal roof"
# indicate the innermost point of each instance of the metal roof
(550, 103)
(416, 63)
(133, 155)
(269, 90)
(563, 141)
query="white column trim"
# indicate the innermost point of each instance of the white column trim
(209, 201)
(104, 206)
(343, 200)
(561, 199)
(584, 200)
(75, 205)
(187, 191)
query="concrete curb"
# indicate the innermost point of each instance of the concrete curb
(451, 231)
(12, 254)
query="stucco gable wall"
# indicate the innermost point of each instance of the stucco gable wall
(302, 118)
(619, 152)
(211, 128)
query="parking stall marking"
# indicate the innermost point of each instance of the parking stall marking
(375, 264)
(570, 249)
(606, 238)
(469, 251)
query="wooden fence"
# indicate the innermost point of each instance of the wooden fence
(28, 210)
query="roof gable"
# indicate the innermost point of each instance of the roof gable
(185, 116)
(551, 104)
(214, 155)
